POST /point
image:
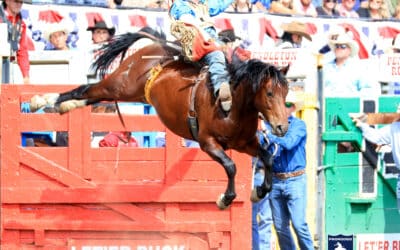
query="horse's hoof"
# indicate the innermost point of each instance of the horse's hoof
(220, 202)
(36, 103)
(70, 105)
(66, 106)
(254, 197)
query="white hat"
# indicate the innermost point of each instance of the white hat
(293, 97)
(55, 27)
(344, 38)
(396, 42)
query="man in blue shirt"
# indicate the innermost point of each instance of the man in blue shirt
(289, 183)
(198, 13)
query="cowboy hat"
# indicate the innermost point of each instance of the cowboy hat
(55, 27)
(102, 25)
(293, 97)
(344, 38)
(228, 35)
(297, 28)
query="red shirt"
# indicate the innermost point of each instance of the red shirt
(22, 53)
(118, 139)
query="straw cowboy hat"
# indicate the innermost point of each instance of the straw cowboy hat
(344, 38)
(102, 25)
(55, 27)
(297, 28)
(293, 97)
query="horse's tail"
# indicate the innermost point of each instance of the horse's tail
(119, 45)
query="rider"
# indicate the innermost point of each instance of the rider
(198, 13)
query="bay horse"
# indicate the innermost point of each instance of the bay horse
(157, 74)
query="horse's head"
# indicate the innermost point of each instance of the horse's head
(270, 101)
(270, 88)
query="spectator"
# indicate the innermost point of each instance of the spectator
(282, 7)
(328, 9)
(288, 197)
(293, 35)
(343, 75)
(346, 9)
(118, 139)
(243, 6)
(304, 7)
(57, 34)
(101, 34)
(198, 13)
(10, 13)
(158, 5)
(262, 5)
(396, 14)
(387, 135)
(376, 9)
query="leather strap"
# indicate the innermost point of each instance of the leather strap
(284, 176)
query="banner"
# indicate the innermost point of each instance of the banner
(259, 30)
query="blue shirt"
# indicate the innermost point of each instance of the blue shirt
(182, 7)
(291, 154)
(349, 80)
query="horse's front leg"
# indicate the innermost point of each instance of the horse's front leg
(219, 155)
(260, 192)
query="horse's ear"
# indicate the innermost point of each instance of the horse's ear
(285, 69)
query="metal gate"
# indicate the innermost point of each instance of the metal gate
(360, 210)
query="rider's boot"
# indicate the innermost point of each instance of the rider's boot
(225, 96)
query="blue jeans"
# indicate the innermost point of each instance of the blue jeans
(217, 68)
(261, 231)
(288, 203)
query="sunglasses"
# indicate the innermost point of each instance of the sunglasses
(341, 46)
(330, 1)
(289, 104)
(18, 2)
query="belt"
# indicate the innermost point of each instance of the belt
(289, 174)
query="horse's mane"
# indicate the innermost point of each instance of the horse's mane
(120, 44)
(254, 72)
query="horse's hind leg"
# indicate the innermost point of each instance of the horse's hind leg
(64, 102)
(219, 155)
(260, 192)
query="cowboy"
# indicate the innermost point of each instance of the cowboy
(101, 34)
(198, 13)
(10, 13)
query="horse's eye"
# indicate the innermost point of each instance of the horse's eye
(269, 94)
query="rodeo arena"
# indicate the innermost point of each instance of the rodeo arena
(65, 186)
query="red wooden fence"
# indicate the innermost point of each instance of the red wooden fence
(79, 197)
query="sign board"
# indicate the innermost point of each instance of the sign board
(378, 241)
